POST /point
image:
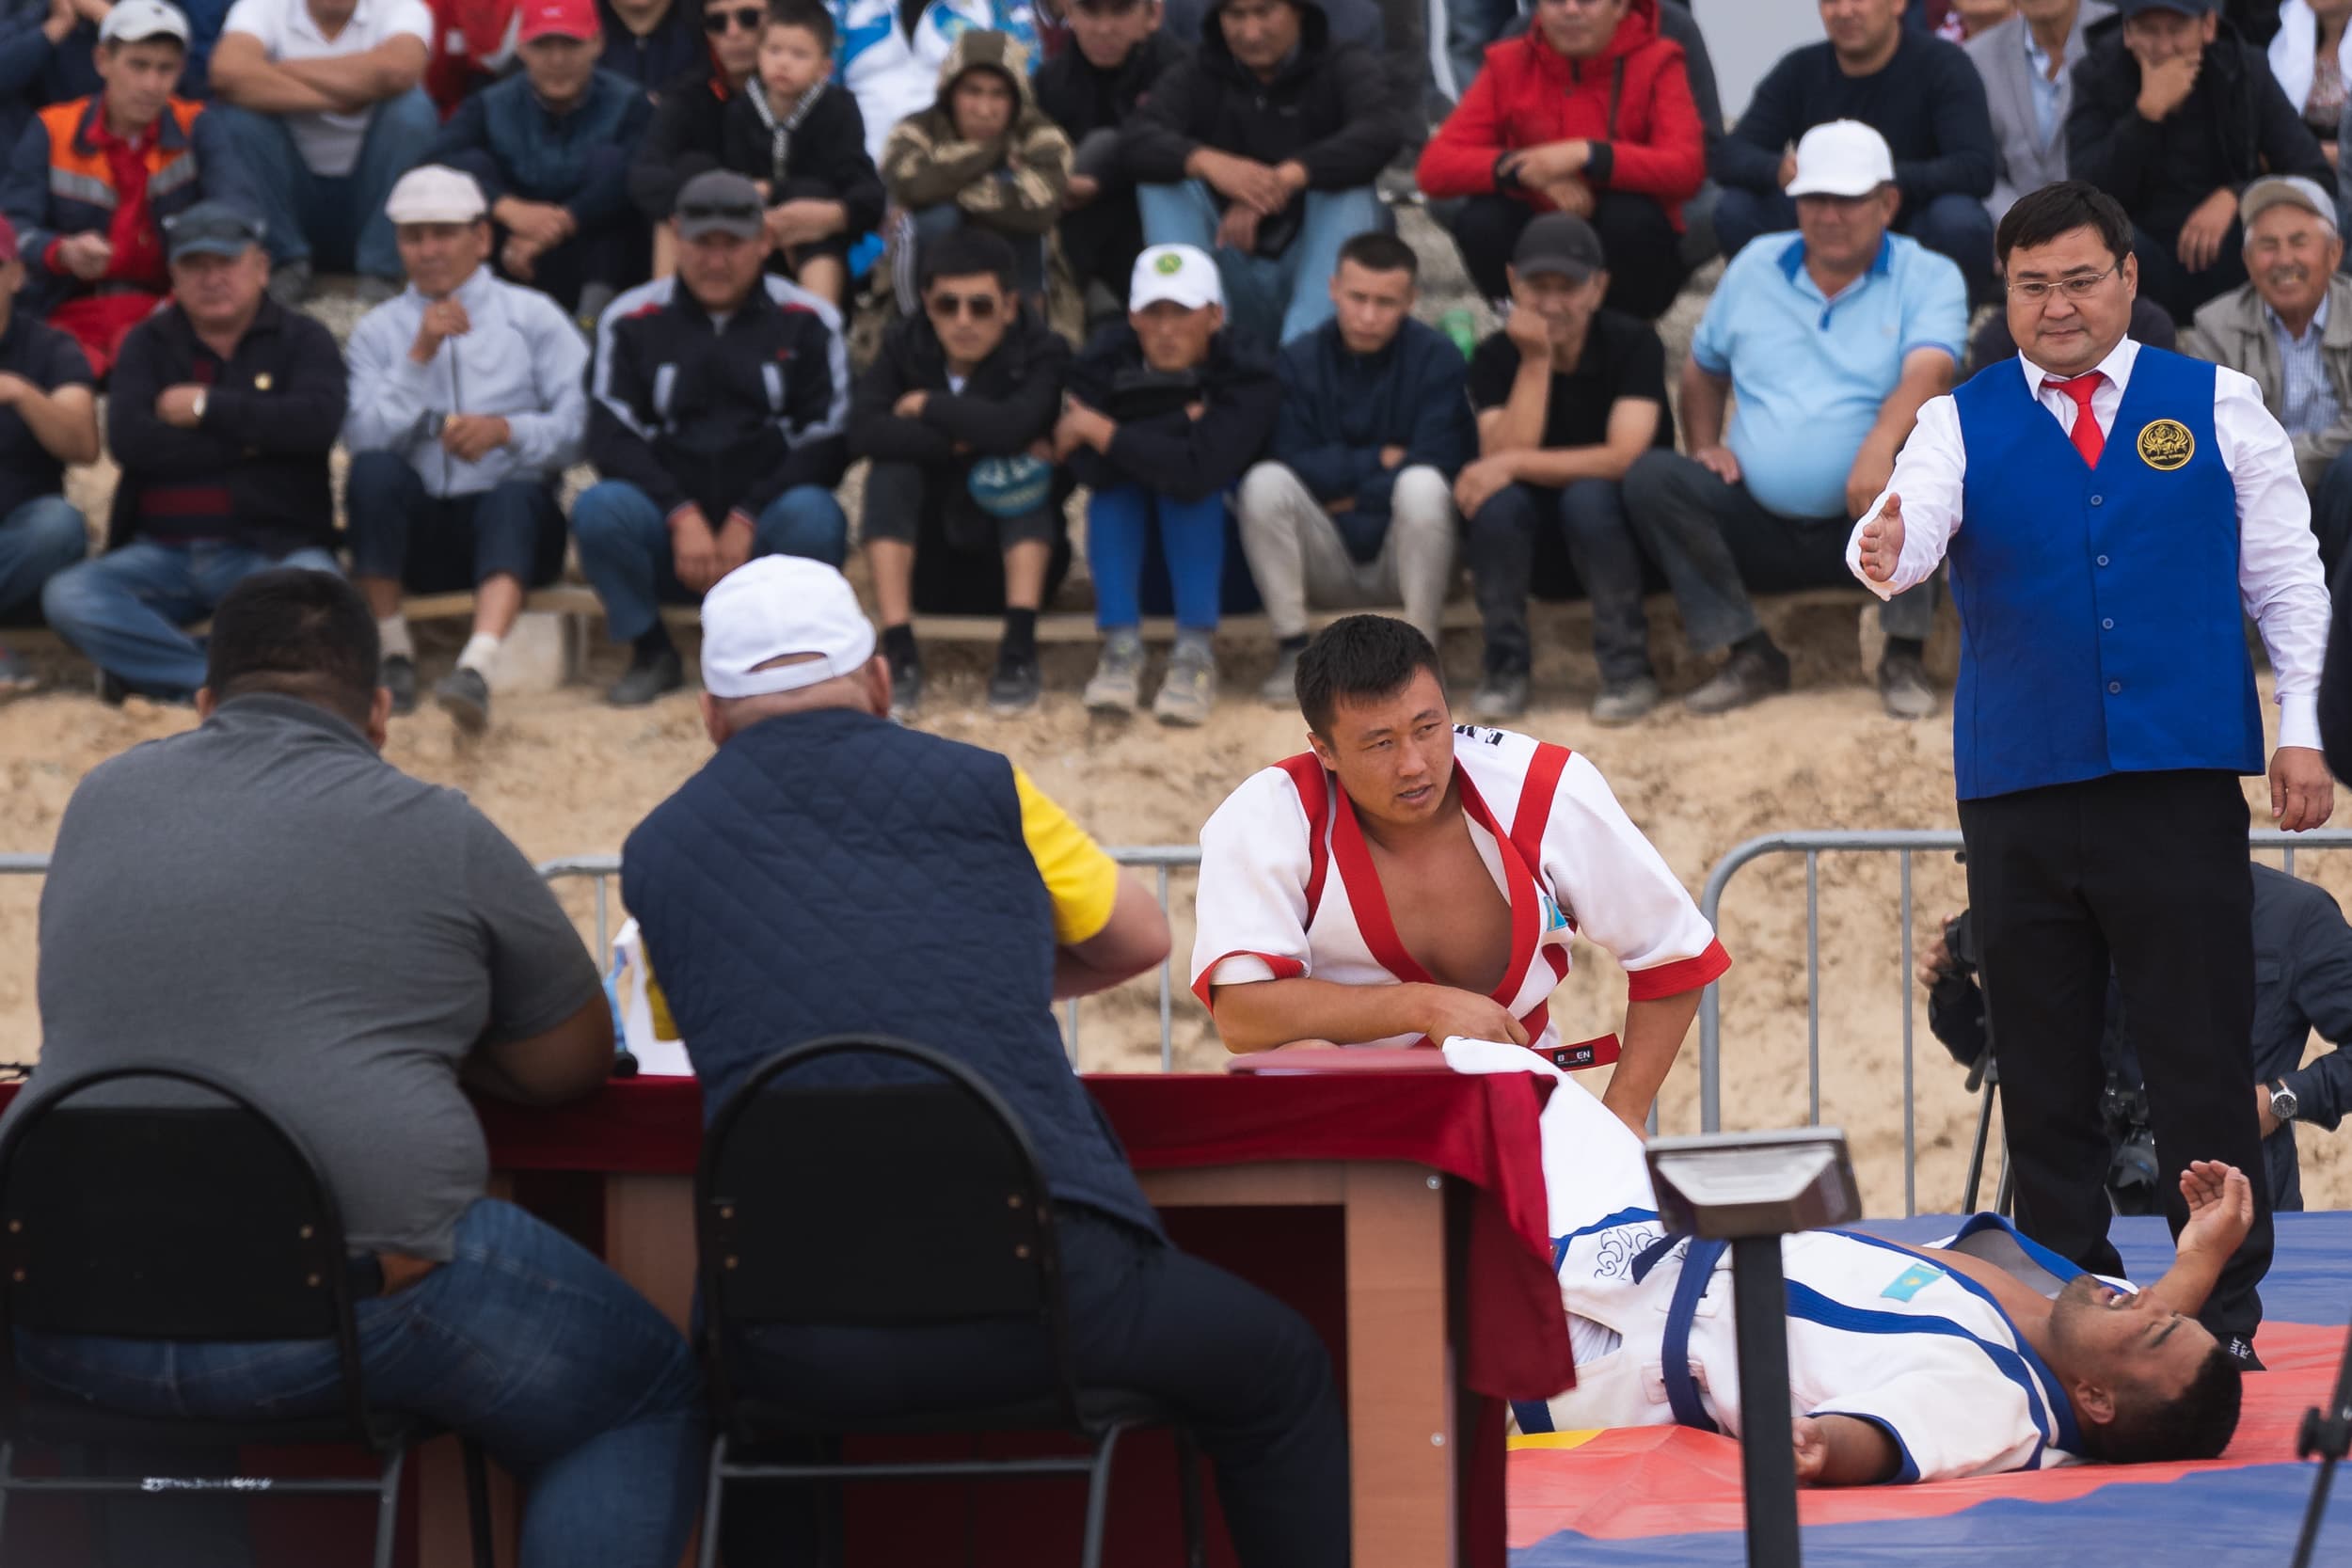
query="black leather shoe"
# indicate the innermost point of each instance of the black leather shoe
(465, 696)
(397, 674)
(650, 677)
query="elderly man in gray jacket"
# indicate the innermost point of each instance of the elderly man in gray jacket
(2027, 63)
(468, 403)
(2290, 328)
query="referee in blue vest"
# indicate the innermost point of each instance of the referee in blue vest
(2112, 512)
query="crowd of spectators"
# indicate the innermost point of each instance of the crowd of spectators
(1145, 247)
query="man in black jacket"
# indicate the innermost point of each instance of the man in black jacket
(689, 131)
(222, 411)
(957, 412)
(2173, 115)
(1118, 50)
(1261, 150)
(715, 419)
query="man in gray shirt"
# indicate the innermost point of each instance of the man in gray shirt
(268, 899)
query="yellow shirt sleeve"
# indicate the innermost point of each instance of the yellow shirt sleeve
(1082, 880)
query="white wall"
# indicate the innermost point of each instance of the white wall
(1744, 38)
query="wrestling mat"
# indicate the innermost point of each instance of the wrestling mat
(1669, 1497)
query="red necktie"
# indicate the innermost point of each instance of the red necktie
(2086, 435)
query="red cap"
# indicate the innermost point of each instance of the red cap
(570, 19)
(8, 241)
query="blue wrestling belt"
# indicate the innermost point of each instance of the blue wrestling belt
(1699, 1267)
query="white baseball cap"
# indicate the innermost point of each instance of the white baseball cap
(1181, 273)
(137, 20)
(1842, 157)
(781, 607)
(2286, 190)
(431, 193)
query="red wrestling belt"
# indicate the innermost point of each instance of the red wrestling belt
(1599, 1051)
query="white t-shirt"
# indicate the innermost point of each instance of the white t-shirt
(329, 142)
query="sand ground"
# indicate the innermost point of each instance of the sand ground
(564, 775)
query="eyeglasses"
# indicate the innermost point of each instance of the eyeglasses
(979, 308)
(748, 18)
(2081, 286)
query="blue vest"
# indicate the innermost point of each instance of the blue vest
(831, 873)
(2101, 631)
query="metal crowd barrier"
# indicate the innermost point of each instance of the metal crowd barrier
(1812, 846)
(1160, 858)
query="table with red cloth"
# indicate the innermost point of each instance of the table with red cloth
(1402, 1213)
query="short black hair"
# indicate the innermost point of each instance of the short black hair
(2061, 208)
(300, 633)
(810, 14)
(1359, 657)
(966, 252)
(1376, 251)
(2196, 1425)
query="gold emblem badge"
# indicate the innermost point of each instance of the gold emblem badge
(2166, 444)
(261, 383)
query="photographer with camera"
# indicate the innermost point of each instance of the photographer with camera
(2302, 982)
(1166, 411)
(466, 404)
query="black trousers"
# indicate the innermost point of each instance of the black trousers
(2147, 872)
(1247, 1374)
(1640, 241)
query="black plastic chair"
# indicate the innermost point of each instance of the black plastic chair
(196, 1220)
(892, 1205)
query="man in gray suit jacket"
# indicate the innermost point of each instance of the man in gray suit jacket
(2027, 63)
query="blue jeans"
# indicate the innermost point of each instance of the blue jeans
(446, 544)
(1472, 27)
(623, 545)
(123, 610)
(40, 538)
(1264, 295)
(522, 1340)
(1192, 535)
(341, 219)
(1590, 515)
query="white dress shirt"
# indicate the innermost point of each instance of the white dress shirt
(2279, 579)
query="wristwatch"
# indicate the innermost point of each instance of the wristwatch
(195, 405)
(2282, 1102)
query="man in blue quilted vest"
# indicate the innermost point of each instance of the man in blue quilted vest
(829, 872)
(2112, 513)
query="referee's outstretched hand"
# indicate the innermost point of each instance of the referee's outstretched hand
(1882, 540)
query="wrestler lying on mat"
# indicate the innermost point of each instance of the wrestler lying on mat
(1509, 847)
(1981, 1355)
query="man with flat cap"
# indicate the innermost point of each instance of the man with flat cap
(716, 418)
(222, 411)
(831, 872)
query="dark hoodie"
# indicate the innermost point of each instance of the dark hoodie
(816, 152)
(1103, 238)
(688, 134)
(1012, 184)
(1013, 399)
(2234, 125)
(1172, 453)
(1329, 106)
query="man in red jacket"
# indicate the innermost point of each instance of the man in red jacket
(1589, 112)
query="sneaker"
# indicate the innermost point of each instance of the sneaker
(1016, 687)
(16, 676)
(1749, 675)
(1501, 697)
(2241, 1350)
(290, 283)
(397, 674)
(648, 676)
(1626, 702)
(465, 696)
(1282, 688)
(906, 688)
(1188, 692)
(1903, 688)
(1117, 684)
(371, 291)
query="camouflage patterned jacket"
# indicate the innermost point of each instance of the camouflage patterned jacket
(1012, 184)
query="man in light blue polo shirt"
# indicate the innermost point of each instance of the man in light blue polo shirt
(1830, 338)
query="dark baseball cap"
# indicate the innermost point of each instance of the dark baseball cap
(211, 228)
(2186, 8)
(718, 203)
(1558, 244)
